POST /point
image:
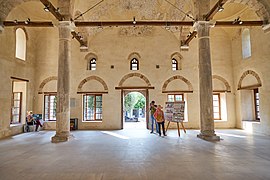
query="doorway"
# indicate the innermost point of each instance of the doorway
(135, 109)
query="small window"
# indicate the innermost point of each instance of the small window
(50, 107)
(134, 64)
(174, 65)
(92, 107)
(246, 45)
(16, 108)
(93, 64)
(257, 104)
(20, 44)
(216, 106)
(175, 97)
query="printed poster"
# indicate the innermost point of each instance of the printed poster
(174, 111)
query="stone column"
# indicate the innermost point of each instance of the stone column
(63, 84)
(205, 83)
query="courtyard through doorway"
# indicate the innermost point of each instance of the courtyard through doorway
(134, 110)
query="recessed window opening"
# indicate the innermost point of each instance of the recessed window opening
(216, 107)
(93, 64)
(257, 104)
(50, 107)
(246, 44)
(134, 64)
(174, 64)
(16, 108)
(92, 107)
(20, 44)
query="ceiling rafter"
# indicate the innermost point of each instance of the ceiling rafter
(209, 17)
(55, 12)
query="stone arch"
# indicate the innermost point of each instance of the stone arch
(24, 29)
(254, 74)
(261, 8)
(190, 88)
(90, 78)
(44, 82)
(141, 76)
(91, 56)
(134, 55)
(224, 81)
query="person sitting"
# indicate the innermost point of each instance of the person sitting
(30, 121)
(38, 123)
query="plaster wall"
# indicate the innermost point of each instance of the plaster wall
(113, 48)
(259, 63)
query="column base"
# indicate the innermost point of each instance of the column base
(209, 137)
(61, 138)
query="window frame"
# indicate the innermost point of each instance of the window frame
(20, 107)
(49, 117)
(95, 107)
(219, 107)
(174, 97)
(134, 63)
(174, 62)
(256, 105)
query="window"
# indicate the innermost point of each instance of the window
(16, 108)
(175, 97)
(246, 46)
(20, 44)
(92, 107)
(134, 64)
(50, 107)
(216, 106)
(257, 104)
(174, 64)
(93, 64)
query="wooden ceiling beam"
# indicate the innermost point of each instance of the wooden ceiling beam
(79, 39)
(190, 37)
(52, 9)
(129, 23)
(214, 10)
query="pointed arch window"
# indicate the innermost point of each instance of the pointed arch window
(174, 64)
(20, 44)
(93, 64)
(246, 44)
(134, 64)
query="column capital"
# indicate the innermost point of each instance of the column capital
(199, 24)
(69, 24)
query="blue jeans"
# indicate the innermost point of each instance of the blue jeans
(153, 121)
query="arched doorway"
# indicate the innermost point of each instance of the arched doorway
(134, 109)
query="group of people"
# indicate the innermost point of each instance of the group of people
(30, 120)
(157, 118)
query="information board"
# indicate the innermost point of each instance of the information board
(174, 111)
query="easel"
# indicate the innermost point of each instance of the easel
(177, 127)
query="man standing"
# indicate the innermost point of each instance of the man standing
(153, 120)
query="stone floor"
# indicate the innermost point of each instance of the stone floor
(135, 154)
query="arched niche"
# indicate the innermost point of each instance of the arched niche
(249, 80)
(220, 84)
(48, 85)
(178, 57)
(92, 84)
(177, 84)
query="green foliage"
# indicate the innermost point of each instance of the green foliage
(134, 100)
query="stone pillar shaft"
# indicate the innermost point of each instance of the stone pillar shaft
(205, 83)
(63, 84)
